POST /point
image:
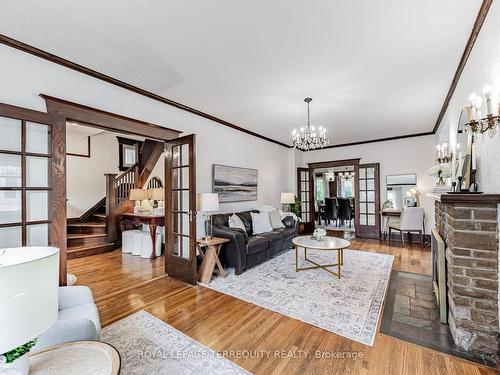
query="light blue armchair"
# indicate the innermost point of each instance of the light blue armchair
(78, 318)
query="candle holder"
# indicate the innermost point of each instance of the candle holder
(488, 124)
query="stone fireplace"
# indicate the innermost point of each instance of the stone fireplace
(468, 223)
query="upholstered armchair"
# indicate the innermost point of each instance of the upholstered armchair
(78, 318)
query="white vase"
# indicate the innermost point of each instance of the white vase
(20, 366)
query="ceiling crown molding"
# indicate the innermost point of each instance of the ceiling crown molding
(483, 12)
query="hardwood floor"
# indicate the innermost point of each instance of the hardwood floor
(123, 284)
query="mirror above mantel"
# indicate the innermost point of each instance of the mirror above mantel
(401, 190)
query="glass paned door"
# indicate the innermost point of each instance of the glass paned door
(304, 192)
(369, 201)
(180, 208)
(25, 182)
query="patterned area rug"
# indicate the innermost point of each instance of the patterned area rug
(148, 345)
(349, 306)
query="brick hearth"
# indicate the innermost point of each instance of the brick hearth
(469, 226)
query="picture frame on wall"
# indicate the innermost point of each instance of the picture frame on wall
(234, 184)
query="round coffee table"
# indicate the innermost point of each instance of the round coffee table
(326, 244)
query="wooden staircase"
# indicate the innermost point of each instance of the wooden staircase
(96, 230)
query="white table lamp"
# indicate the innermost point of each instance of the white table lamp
(208, 203)
(29, 277)
(287, 199)
(137, 195)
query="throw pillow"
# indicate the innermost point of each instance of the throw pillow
(275, 218)
(261, 223)
(235, 222)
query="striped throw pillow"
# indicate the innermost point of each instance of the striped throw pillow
(261, 223)
(235, 222)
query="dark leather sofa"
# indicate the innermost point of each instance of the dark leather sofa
(245, 250)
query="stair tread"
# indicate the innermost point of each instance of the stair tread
(100, 215)
(71, 249)
(88, 224)
(85, 235)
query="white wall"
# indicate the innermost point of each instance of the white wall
(410, 155)
(85, 181)
(482, 68)
(23, 77)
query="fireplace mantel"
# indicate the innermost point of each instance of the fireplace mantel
(468, 223)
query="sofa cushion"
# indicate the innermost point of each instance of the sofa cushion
(246, 218)
(287, 233)
(273, 237)
(275, 218)
(221, 219)
(261, 223)
(82, 312)
(256, 244)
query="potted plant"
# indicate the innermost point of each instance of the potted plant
(295, 207)
(16, 361)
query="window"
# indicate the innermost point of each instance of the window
(129, 152)
(347, 188)
(320, 189)
(25, 183)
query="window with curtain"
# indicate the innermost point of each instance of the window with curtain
(347, 188)
(320, 189)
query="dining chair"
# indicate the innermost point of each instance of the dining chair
(331, 210)
(412, 220)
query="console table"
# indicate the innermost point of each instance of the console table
(153, 221)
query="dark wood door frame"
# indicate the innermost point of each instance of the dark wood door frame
(57, 209)
(366, 231)
(337, 163)
(97, 118)
(62, 111)
(177, 266)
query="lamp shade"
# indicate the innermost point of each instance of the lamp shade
(208, 202)
(29, 277)
(137, 194)
(156, 194)
(287, 198)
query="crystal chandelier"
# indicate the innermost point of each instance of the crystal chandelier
(307, 139)
(346, 175)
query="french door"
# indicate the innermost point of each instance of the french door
(32, 180)
(180, 208)
(305, 186)
(369, 201)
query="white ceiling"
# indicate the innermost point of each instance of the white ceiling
(373, 68)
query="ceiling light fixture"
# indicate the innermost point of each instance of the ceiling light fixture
(306, 139)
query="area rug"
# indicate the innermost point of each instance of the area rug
(148, 345)
(349, 306)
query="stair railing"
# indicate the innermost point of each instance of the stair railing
(117, 192)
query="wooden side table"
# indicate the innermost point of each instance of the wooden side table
(78, 357)
(210, 257)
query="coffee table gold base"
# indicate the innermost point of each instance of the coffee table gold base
(340, 262)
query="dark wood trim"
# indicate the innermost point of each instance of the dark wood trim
(103, 77)
(481, 16)
(58, 231)
(87, 214)
(478, 24)
(338, 163)
(57, 177)
(471, 198)
(334, 163)
(98, 118)
(87, 155)
(364, 230)
(111, 207)
(380, 140)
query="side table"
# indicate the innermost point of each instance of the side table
(209, 251)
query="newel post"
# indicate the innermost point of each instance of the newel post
(111, 206)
